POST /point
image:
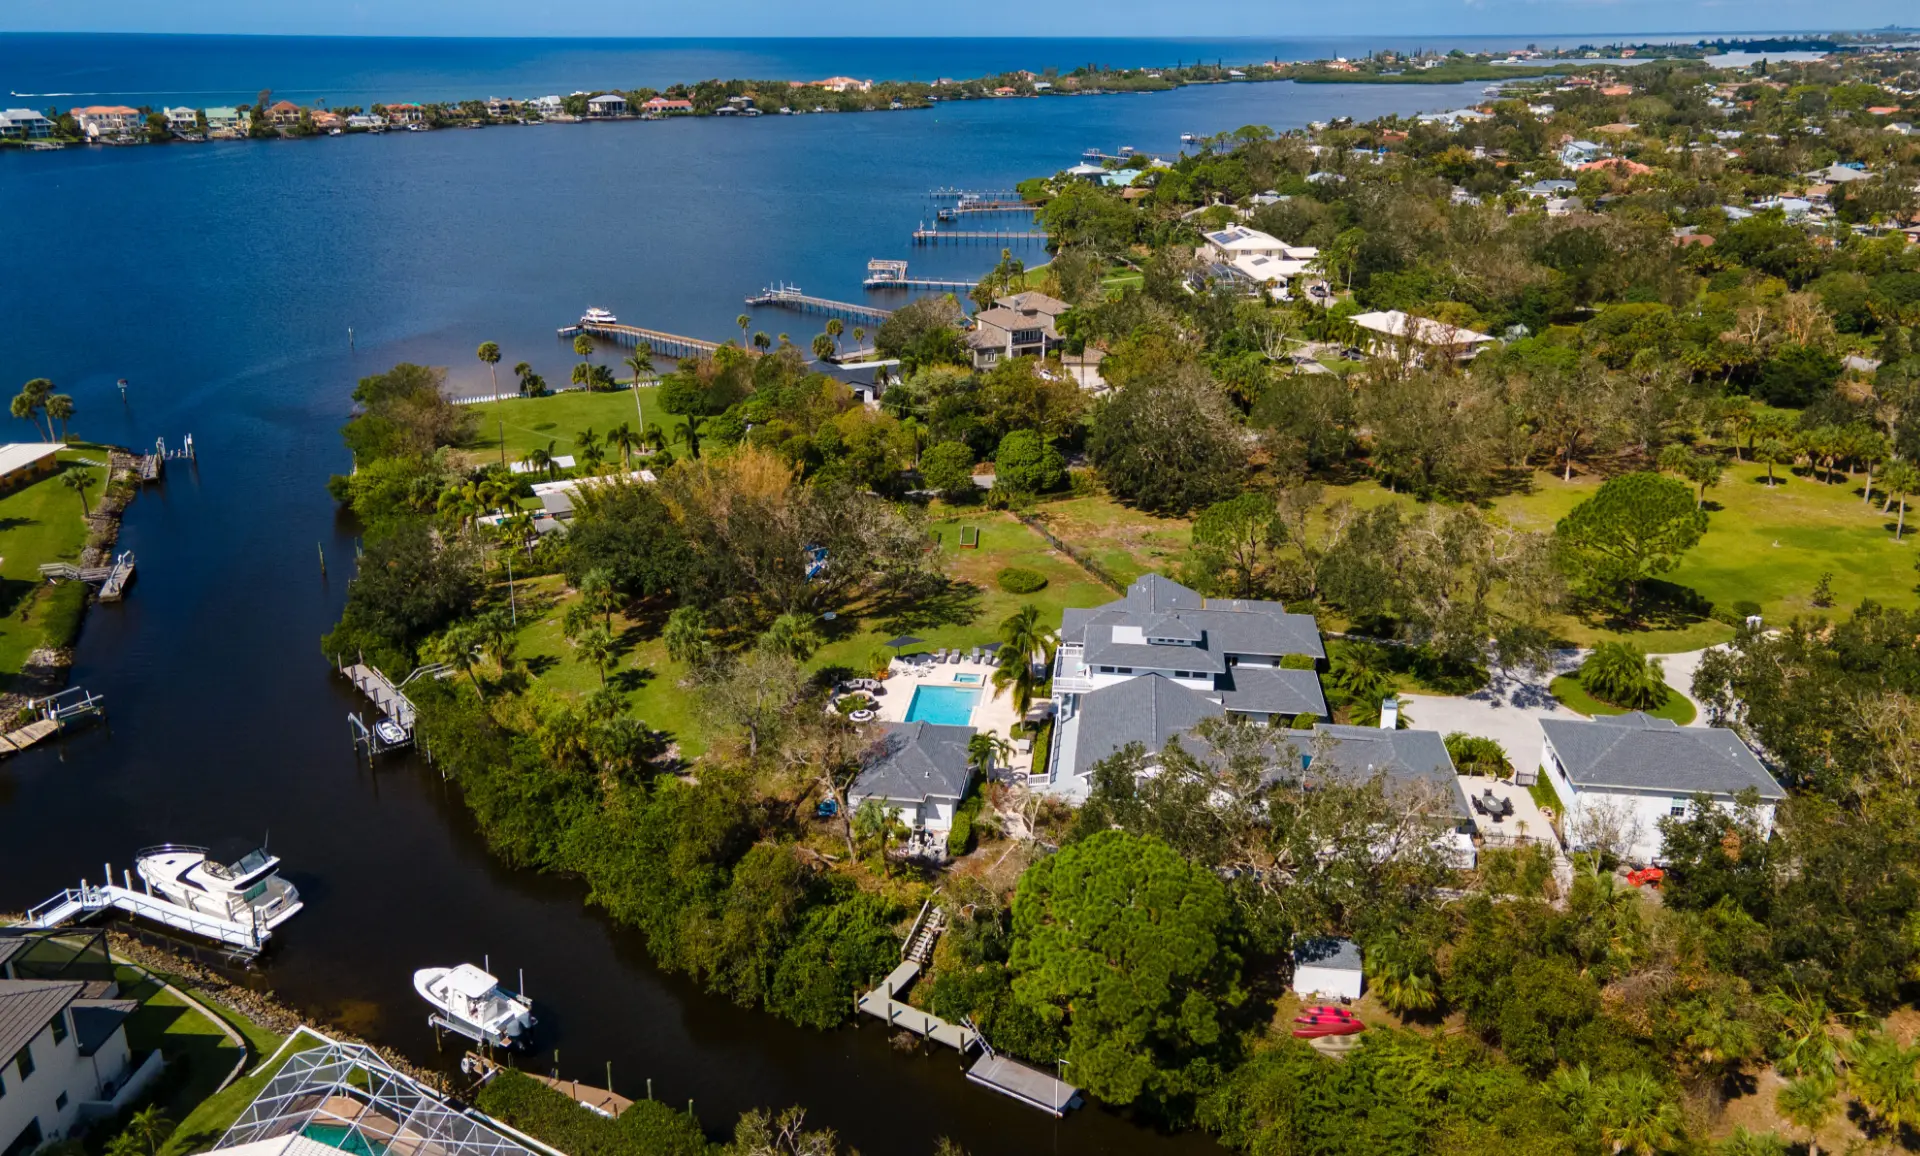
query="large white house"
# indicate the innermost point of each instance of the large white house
(1393, 329)
(918, 768)
(1159, 660)
(1618, 776)
(1241, 241)
(63, 1058)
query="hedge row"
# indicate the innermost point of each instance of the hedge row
(648, 1128)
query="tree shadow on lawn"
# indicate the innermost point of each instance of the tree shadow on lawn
(540, 664)
(631, 678)
(16, 523)
(1662, 605)
(927, 606)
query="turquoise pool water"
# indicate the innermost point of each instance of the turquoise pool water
(343, 1137)
(968, 679)
(942, 705)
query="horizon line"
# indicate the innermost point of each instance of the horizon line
(1651, 37)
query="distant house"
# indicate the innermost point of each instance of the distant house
(607, 104)
(548, 106)
(1394, 328)
(1087, 172)
(327, 121)
(405, 114)
(1020, 325)
(1838, 174)
(1795, 208)
(365, 122)
(223, 120)
(1619, 166)
(843, 84)
(1575, 153)
(25, 462)
(1239, 240)
(661, 104)
(1328, 969)
(1548, 190)
(106, 120)
(1620, 775)
(67, 1058)
(501, 108)
(182, 120)
(920, 768)
(283, 114)
(24, 124)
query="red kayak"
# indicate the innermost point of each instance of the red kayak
(1325, 1010)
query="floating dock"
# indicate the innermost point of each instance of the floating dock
(790, 297)
(1027, 1085)
(113, 579)
(85, 901)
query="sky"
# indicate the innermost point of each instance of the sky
(1194, 18)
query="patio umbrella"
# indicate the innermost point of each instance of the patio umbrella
(903, 640)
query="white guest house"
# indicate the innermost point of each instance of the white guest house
(1618, 776)
(63, 1059)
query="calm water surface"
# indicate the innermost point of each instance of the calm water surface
(220, 280)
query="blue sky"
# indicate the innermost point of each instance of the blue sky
(1195, 18)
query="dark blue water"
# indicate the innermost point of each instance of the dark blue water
(203, 70)
(220, 280)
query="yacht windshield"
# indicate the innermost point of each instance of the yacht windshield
(249, 863)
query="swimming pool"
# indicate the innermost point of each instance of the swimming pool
(344, 1137)
(950, 706)
(968, 679)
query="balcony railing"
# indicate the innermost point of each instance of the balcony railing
(1070, 674)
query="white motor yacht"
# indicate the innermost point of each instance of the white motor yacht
(471, 1002)
(598, 316)
(246, 890)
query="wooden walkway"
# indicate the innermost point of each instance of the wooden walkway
(926, 236)
(953, 212)
(632, 336)
(601, 1100)
(384, 694)
(952, 194)
(121, 573)
(26, 736)
(790, 297)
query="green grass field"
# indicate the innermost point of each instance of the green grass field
(41, 522)
(166, 1022)
(1769, 546)
(529, 423)
(968, 613)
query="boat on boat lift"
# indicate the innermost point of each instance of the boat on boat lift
(247, 890)
(471, 1002)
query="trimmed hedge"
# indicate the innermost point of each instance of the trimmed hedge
(649, 1128)
(1018, 580)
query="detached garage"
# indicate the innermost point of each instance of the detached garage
(1328, 968)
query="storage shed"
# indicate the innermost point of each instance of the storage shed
(1328, 968)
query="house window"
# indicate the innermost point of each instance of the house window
(60, 1101)
(1106, 670)
(1678, 810)
(25, 1060)
(1123, 670)
(59, 1026)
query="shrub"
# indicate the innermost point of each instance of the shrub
(648, 1128)
(1298, 662)
(961, 836)
(1622, 674)
(1475, 755)
(1304, 721)
(853, 702)
(1019, 580)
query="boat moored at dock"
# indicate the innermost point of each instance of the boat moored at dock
(471, 1002)
(598, 316)
(248, 890)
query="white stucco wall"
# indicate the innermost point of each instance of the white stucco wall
(1326, 981)
(1635, 813)
(57, 1069)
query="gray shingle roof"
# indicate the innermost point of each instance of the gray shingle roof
(916, 761)
(1162, 608)
(1337, 954)
(1408, 756)
(27, 1006)
(1270, 690)
(1638, 752)
(1148, 710)
(95, 1021)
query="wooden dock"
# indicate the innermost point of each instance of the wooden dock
(633, 337)
(118, 575)
(954, 212)
(883, 273)
(790, 297)
(113, 579)
(15, 741)
(1027, 1085)
(601, 1100)
(952, 194)
(926, 236)
(386, 697)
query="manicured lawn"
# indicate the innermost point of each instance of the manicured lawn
(165, 1022)
(967, 613)
(40, 523)
(1574, 696)
(211, 1118)
(529, 423)
(1768, 546)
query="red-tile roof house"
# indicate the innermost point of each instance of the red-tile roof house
(283, 112)
(662, 104)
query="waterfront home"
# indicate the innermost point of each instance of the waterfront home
(548, 106)
(24, 462)
(606, 106)
(843, 84)
(24, 124)
(283, 114)
(1618, 776)
(1021, 325)
(1839, 174)
(1154, 663)
(366, 122)
(406, 114)
(500, 108)
(182, 120)
(106, 120)
(1394, 330)
(921, 769)
(661, 104)
(223, 120)
(67, 1058)
(327, 121)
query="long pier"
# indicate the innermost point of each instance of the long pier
(885, 273)
(790, 297)
(953, 212)
(633, 336)
(953, 194)
(926, 236)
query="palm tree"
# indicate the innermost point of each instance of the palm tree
(461, 646)
(596, 587)
(1902, 480)
(77, 480)
(59, 407)
(1621, 673)
(1882, 1078)
(596, 646)
(586, 439)
(835, 327)
(583, 348)
(1869, 449)
(986, 749)
(541, 461)
(1775, 452)
(859, 335)
(151, 1126)
(26, 409)
(689, 432)
(622, 438)
(1359, 674)
(1808, 1103)
(1802, 1046)
(762, 342)
(822, 347)
(1022, 635)
(793, 635)
(489, 353)
(1635, 1115)
(641, 364)
(743, 321)
(36, 392)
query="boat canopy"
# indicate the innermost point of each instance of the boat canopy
(469, 981)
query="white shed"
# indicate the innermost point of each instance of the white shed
(1328, 968)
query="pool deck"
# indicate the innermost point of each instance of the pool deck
(994, 713)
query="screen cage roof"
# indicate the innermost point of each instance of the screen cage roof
(346, 1097)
